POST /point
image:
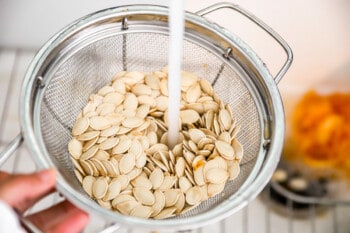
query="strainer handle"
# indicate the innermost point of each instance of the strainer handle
(10, 148)
(261, 24)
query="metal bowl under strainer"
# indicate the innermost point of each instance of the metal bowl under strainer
(85, 55)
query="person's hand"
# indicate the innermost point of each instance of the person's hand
(22, 191)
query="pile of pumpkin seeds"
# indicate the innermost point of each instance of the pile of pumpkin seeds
(119, 146)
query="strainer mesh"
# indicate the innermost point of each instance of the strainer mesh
(92, 67)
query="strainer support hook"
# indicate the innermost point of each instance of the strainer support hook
(262, 25)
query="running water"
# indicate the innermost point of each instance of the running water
(176, 26)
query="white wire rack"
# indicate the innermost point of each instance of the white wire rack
(260, 216)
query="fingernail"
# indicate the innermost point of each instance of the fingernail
(46, 175)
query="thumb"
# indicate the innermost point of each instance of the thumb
(21, 191)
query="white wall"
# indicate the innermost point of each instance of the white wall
(317, 30)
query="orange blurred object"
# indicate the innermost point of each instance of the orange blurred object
(321, 132)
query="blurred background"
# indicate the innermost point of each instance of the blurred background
(318, 31)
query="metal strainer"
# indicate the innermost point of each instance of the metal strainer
(85, 55)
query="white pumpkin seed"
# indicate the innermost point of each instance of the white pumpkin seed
(189, 116)
(225, 150)
(87, 168)
(110, 168)
(88, 135)
(123, 146)
(168, 183)
(142, 111)
(144, 196)
(99, 123)
(196, 135)
(238, 149)
(100, 188)
(121, 198)
(141, 211)
(216, 175)
(163, 85)
(105, 90)
(80, 126)
(152, 81)
(132, 122)
(89, 144)
(130, 101)
(127, 206)
(136, 148)
(99, 166)
(114, 98)
(88, 154)
(123, 180)
(214, 189)
(136, 75)
(188, 78)
(156, 178)
(206, 86)
(105, 204)
(166, 213)
(193, 93)
(75, 148)
(180, 203)
(127, 163)
(141, 161)
(171, 197)
(88, 183)
(159, 202)
(233, 170)
(141, 89)
(184, 184)
(134, 173)
(109, 132)
(113, 191)
(193, 195)
(109, 143)
(162, 103)
(198, 176)
(225, 119)
(180, 167)
(141, 182)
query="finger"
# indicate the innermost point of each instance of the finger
(3, 175)
(21, 191)
(61, 218)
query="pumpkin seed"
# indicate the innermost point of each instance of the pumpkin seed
(75, 148)
(80, 126)
(171, 197)
(156, 178)
(88, 135)
(141, 182)
(88, 183)
(141, 211)
(193, 195)
(100, 188)
(127, 206)
(144, 196)
(121, 199)
(127, 163)
(214, 189)
(166, 213)
(159, 203)
(225, 149)
(113, 191)
(216, 175)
